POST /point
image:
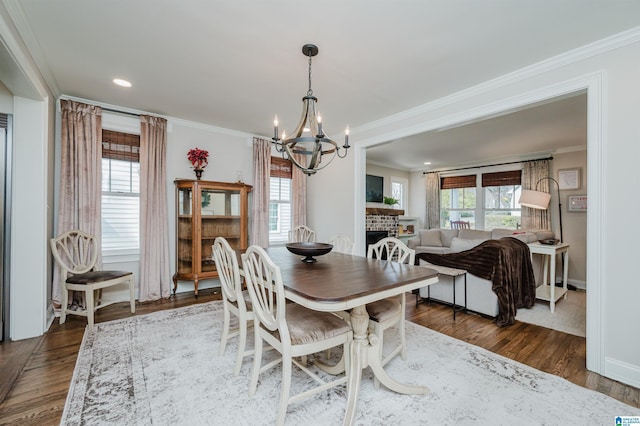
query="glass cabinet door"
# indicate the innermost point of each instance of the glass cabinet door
(185, 231)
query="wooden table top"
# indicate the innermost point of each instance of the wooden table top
(340, 281)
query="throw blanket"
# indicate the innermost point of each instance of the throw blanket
(506, 263)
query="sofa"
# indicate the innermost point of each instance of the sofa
(479, 295)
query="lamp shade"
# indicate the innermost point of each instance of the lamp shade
(534, 199)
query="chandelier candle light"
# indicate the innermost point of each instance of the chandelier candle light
(199, 160)
(306, 152)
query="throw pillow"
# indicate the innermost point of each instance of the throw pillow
(430, 237)
(462, 244)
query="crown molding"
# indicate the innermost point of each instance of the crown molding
(607, 44)
(27, 52)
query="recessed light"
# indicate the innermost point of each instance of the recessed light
(426, 163)
(121, 83)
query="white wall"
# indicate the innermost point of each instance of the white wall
(29, 221)
(607, 72)
(387, 173)
(574, 224)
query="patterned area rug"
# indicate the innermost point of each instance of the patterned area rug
(164, 369)
(570, 314)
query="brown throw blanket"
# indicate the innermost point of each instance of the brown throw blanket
(506, 263)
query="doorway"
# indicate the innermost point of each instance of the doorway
(5, 193)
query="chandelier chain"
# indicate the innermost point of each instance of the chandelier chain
(309, 92)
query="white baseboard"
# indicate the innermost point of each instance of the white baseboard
(622, 372)
(582, 285)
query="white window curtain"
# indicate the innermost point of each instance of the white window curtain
(155, 279)
(298, 195)
(80, 177)
(432, 183)
(532, 172)
(260, 206)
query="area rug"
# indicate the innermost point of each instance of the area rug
(570, 314)
(164, 369)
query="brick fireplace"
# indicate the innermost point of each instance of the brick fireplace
(380, 220)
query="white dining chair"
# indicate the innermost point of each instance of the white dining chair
(235, 300)
(341, 244)
(388, 312)
(76, 253)
(302, 234)
(289, 328)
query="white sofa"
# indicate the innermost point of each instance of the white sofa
(479, 296)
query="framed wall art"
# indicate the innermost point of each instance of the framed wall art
(569, 178)
(577, 203)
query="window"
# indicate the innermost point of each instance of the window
(487, 201)
(279, 200)
(457, 200)
(501, 195)
(120, 193)
(398, 190)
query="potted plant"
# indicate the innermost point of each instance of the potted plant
(199, 159)
(391, 201)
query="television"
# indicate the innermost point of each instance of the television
(374, 189)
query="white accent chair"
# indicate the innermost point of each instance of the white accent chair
(341, 244)
(302, 234)
(235, 300)
(76, 253)
(388, 312)
(289, 328)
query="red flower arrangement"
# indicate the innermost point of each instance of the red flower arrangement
(198, 157)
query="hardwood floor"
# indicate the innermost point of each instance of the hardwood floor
(36, 372)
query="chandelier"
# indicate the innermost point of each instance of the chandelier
(308, 148)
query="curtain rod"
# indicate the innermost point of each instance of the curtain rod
(120, 112)
(488, 165)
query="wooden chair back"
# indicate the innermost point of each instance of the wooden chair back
(302, 234)
(228, 270)
(341, 244)
(264, 283)
(75, 251)
(393, 249)
(459, 224)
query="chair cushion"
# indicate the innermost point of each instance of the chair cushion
(96, 276)
(381, 310)
(307, 326)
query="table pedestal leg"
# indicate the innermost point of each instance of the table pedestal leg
(364, 353)
(358, 359)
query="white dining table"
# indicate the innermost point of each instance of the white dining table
(338, 282)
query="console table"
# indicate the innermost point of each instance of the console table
(548, 291)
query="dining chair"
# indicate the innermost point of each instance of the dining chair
(341, 244)
(76, 254)
(234, 300)
(302, 234)
(460, 224)
(388, 312)
(289, 328)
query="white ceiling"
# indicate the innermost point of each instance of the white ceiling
(234, 64)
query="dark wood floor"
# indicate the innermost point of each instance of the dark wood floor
(36, 372)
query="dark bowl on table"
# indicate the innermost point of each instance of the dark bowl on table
(309, 250)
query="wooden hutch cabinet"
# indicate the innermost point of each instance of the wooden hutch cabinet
(206, 210)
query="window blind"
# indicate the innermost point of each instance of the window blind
(120, 146)
(513, 177)
(451, 182)
(281, 168)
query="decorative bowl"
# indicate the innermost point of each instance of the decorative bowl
(309, 250)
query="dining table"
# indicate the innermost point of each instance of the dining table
(338, 282)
